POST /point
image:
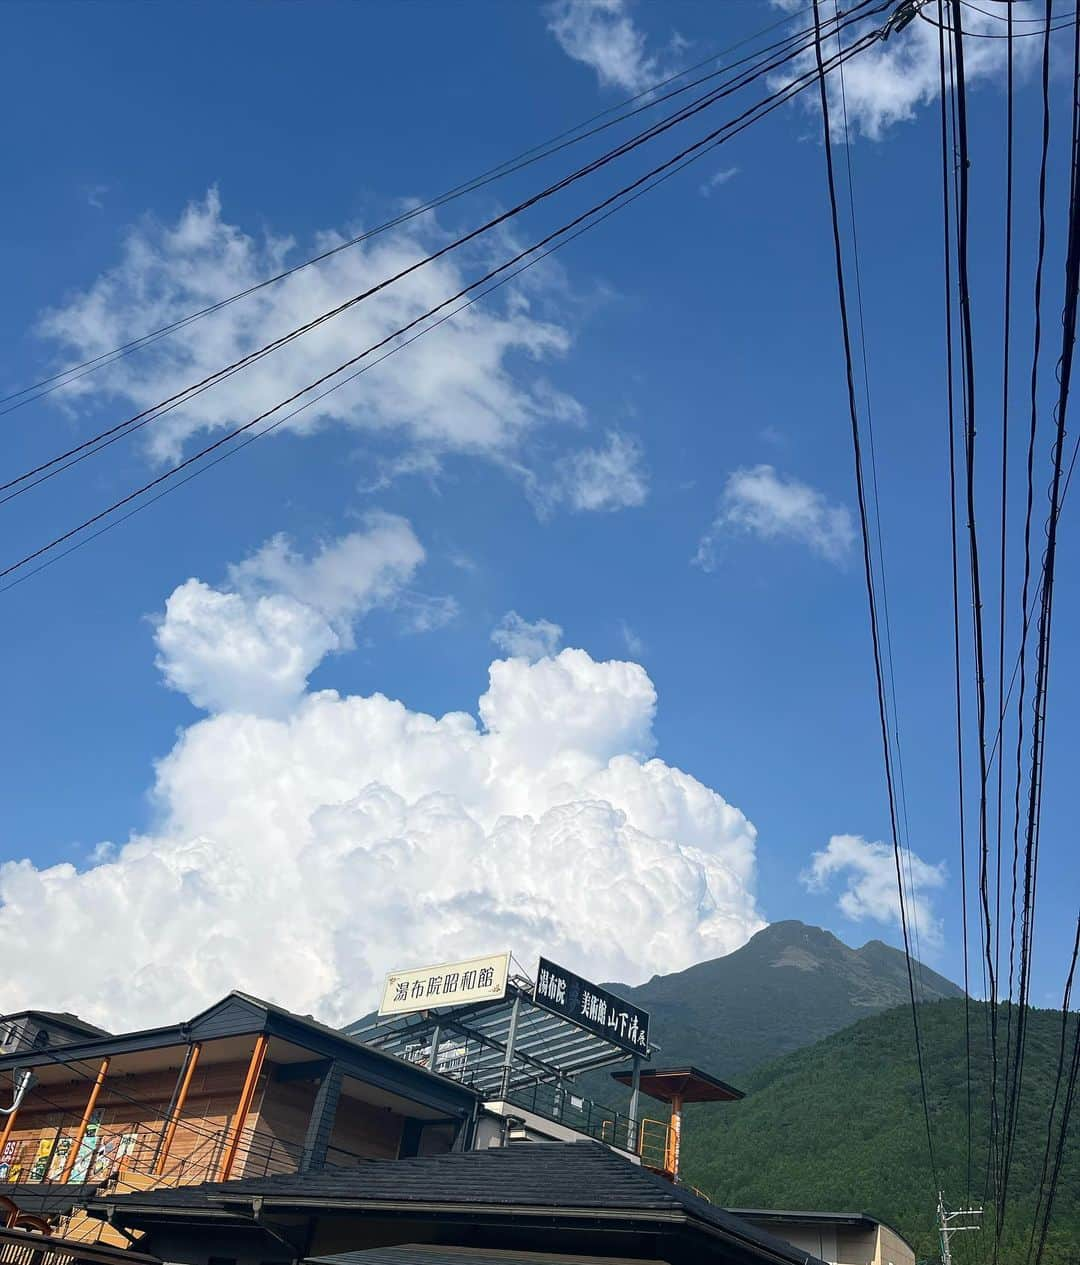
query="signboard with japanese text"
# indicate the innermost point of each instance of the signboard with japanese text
(592, 1007)
(448, 984)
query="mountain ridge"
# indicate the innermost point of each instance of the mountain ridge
(790, 985)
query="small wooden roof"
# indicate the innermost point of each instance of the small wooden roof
(688, 1084)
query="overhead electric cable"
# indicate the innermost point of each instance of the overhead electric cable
(868, 570)
(1014, 1054)
(97, 442)
(725, 131)
(950, 401)
(526, 158)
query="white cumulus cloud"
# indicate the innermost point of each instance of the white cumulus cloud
(869, 873)
(302, 854)
(251, 646)
(453, 390)
(759, 501)
(521, 639)
(602, 35)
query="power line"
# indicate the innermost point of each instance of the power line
(526, 158)
(950, 372)
(868, 562)
(722, 133)
(103, 439)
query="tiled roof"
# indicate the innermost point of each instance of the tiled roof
(574, 1176)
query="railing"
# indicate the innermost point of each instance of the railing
(560, 1104)
(655, 1147)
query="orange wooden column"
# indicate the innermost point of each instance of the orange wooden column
(174, 1118)
(8, 1126)
(91, 1103)
(671, 1162)
(243, 1106)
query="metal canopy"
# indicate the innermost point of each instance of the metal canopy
(472, 1042)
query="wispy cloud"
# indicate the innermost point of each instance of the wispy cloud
(611, 477)
(717, 179)
(602, 35)
(521, 639)
(760, 502)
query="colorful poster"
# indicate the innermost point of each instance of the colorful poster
(104, 1160)
(81, 1168)
(41, 1161)
(59, 1157)
(7, 1160)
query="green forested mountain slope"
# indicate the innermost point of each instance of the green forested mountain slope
(788, 986)
(839, 1125)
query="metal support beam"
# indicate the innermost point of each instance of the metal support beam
(91, 1103)
(321, 1122)
(243, 1106)
(508, 1057)
(433, 1057)
(177, 1107)
(635, 1099)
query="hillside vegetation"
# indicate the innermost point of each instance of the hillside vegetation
(839, 1125)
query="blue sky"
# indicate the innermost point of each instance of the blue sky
(644, 443)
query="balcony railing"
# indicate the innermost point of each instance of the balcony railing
(561, 1105)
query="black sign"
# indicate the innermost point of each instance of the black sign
(565, 993)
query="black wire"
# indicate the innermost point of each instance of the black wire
(1043, 645)
(732, 127)
(994, 1138)
(1046, 1192)
(511, 165)
(991, 35)
(968, 368)
(104, 438)
(950, 373)
(1014, 1085)
(868, 565)
(250, 439)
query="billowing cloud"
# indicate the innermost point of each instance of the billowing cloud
(602, 35)
(760, 502)
(521, 639)
(888, 82)
(301, 854)
(611, 477)
(869, 873)
(453, 390)
(250, 646)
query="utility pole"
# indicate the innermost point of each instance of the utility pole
(947, 1227)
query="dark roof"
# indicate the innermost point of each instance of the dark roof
(432, 1254)
(39, 1198)
(688, 1083)
(552, 1177)
(63, 1017)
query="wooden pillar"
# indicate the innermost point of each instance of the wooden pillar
(9, 1124)
(674, 1136)
(178, 1107)
(91, 1103)
(243, 1106)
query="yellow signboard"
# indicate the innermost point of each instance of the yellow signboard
(448, 984)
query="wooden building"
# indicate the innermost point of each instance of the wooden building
(245, 1088)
